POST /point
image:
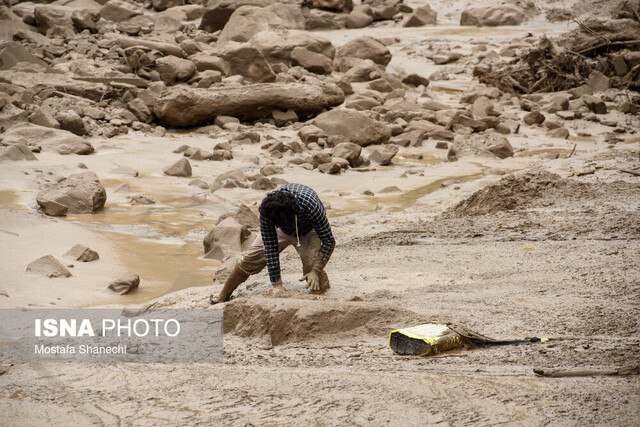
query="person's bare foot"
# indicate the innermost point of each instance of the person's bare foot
(214, 299)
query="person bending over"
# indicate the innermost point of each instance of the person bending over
(289, 215)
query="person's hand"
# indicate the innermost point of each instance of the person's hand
(313, 281)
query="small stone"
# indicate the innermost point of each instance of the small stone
(598, 82)
(48, 266)
(534, 118)
(390, 189)
(82, 253)
(180, 168)
(558, 133)
(124, 285)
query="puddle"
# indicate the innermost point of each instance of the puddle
(163, 267)
(562, 152)
(427, 159)
(9, 199)
(396, 202)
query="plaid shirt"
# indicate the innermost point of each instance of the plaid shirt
(311, 216)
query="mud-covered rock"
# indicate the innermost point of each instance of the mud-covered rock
(384, 154)
(180, 168)
(365, 48)
(492, 16)
(421, 16)
(246, 60)
(124, 285)
(78, 193)
(82, 253)
(71, 121)
(48, 266)
(189, 107)
(487, 142)
(357, 127)
(16, 152)
(62, 141)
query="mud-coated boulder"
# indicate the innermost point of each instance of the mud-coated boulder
(492, 16)
(118, 11)
(48, 17)
(336, 5)
(85, 19)
(421, 16)
(247, 61)
(324, 20)
(180, 168)
(71, 121)
(357, 127)
(311, 61)
(365, 48)
(488, 142)
(161, 5)
(189, 106)
(277, 46)
(173, 69)
(384, 154)
(16, 152)
(78, 193)
(348, 151)
(124, 285)
(48, 266)
(82, 253)
(225, 239)
(246, 21)
(62, 141)
(358, 19)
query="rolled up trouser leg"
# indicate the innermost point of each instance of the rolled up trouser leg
(251, 262)
(309, 252)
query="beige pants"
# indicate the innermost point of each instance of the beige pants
(253, 261)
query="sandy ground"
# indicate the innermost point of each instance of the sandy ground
(560, 261)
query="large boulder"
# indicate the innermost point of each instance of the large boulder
(161, 5)
(276, 46)
(246, 21)
(48, 266)
(71, 121)
(322, 20)
(311, 61)
(247, 61)
(82, 253)
(336, 5)
(124, 285)
(488, 142)
(48, 17)
(492, 16)
(189, 107)
(365, 48)
(384, 154)
(78, 193)
(16, 152)
(225, 239)
(180, 168)
(357, 127)
(348, 151)
(62, 141)
(118, 11)
(173, 69)
(421, 16)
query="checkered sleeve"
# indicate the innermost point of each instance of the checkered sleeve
(320, 223)
(271, 250)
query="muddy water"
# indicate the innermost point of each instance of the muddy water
(163, 244)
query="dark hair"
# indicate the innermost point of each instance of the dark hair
(279, 208)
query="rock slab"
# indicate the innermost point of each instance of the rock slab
(184, 107)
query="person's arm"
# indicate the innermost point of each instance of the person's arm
(322, 227)
(271, 251)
